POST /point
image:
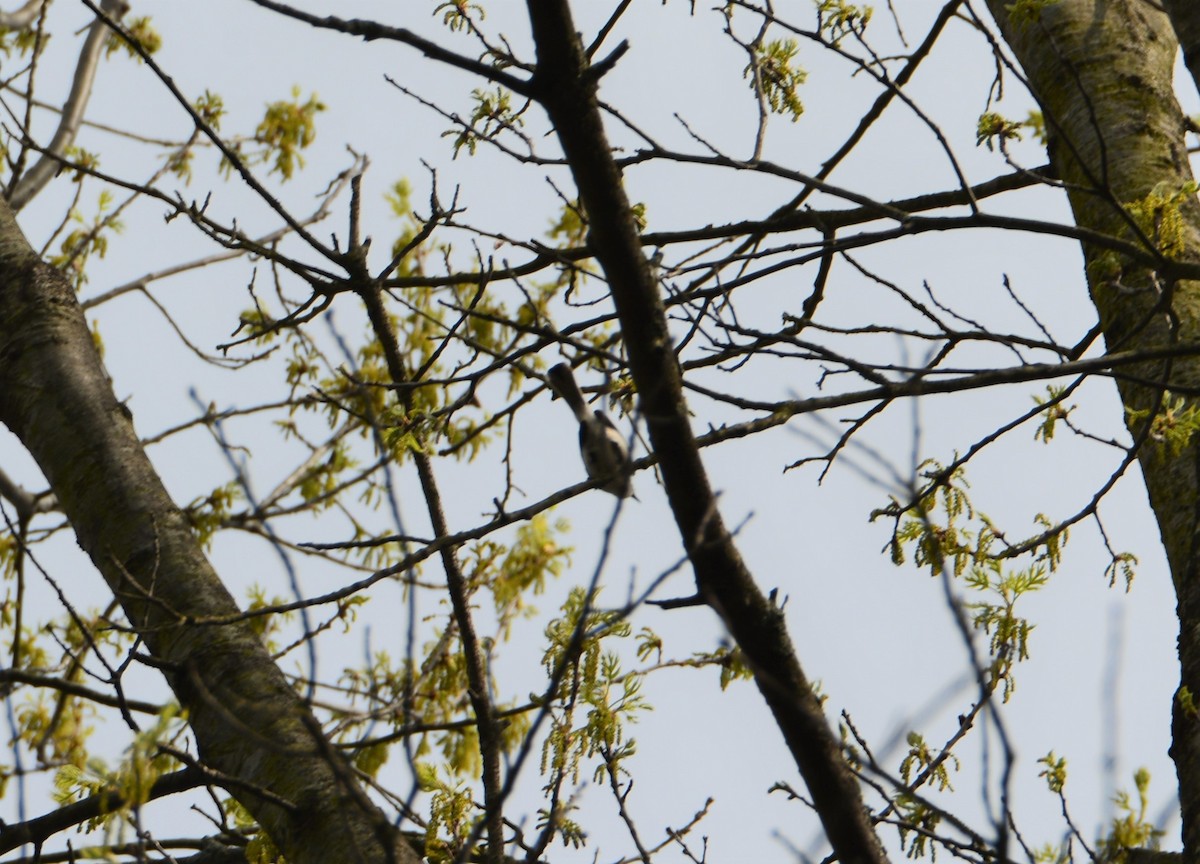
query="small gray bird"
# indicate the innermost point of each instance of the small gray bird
(605, 453)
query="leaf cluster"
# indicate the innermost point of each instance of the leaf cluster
(776, 75)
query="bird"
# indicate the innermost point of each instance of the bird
(605, 453)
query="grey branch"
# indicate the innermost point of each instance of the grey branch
(50, 162)
(23, 17)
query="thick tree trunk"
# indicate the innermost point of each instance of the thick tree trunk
(248, 723)
(1102, 71)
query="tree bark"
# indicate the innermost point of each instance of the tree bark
(248, 723)
(1102, 72)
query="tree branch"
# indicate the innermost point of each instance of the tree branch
(44, 170)
(23, 17)
(567, 92)
(369, 31)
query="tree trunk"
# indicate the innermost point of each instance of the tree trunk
(248, 722)
(1102, 72)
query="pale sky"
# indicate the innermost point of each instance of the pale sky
(878, 638)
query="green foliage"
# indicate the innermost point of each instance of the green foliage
(1104, 267)
(733, 666)
(775, 75)
(1052, 853)
(450, 816)
(952, 543)
(942, 531)
(89, 238)
(1053, 413)
(211, 108)
(838, 19)
(404, 433)
(992, 128)
(441, 697)
(595, 685)
(1035, 122)
(210, 513)
(258, 325)
(514, 573)
(33, 653)
(260, 849)
(1122, 566)
(145, 761)
(1187, 702)
(1172, 425)
(72, 783)
(649, 644)
(10, 549)
(569, 231)
(1131, 829)
(1160, 215)
(434, 690)
(361, 398)
(59, 726)
(493, 113)
(569, 831)
(570, 228)
(920, 758)
(917, 825)
(142, 33)
(1008, 632)
(323, 480)
(22, 41)
(266, 626)
(179, 164)
(81, 161)
(935, 547)
(370, 759)
(456, 14)
(97, 340)
(399, 199)
(1055, 772)
(287, 127)
(144, 764)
